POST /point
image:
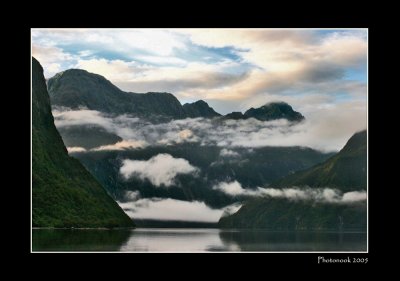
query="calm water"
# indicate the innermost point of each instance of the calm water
(194, 240)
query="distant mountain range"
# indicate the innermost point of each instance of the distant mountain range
(64, 193)
(75, 88)
(347, 170)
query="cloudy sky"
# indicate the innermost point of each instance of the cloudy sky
(321, 73)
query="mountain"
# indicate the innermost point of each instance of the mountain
(236, 115)
(64, 193)
(268, 112)
(199, 109)
(76, 88)
(347, 170)
(273, 111)
(284, 214)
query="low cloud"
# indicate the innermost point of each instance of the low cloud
(231, 209)
(75, 149)
(160, 170)
(326, 195)
(122, 145)
(234, 188)
(326, 133)
(64, 117)
(354, 196)
(228, 153)
(132, 195)
(172, 209)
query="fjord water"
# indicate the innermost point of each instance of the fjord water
(194, 240)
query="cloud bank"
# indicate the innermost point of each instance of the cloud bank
(326, 134)
(122, 145)
(327, 195)
(160, 170)
(228, 153)
(171, 209)
(75, 149)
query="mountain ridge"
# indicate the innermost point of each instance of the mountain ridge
(76, 88)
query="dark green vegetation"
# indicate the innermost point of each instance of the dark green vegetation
(252, 168)
(347, 170)
(64, 193)
(199, 109)
(79, 239)
(284, 214)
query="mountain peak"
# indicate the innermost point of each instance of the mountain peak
(346, 170)
(75, 88)
(274, 110)
(268, 112)
(199, 109)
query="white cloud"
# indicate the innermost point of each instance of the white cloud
(132, 195)
(186, 134)
(281, 50)
(65, 117)
(160, 170)
(114, 70)
(75, 149)
(354, 196)
(122, 145)
(189, 80)
(228, 153)
(51, 58)
(122, 41)
(316, 194)
(162, 60)
(234, 188)
(172, 209)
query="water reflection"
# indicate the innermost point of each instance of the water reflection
(261, 240)
(171, 240)
(78, 239)
(194, 240)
